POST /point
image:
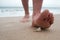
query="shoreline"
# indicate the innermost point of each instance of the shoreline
(23, 15)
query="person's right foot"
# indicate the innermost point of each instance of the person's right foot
(25, 18)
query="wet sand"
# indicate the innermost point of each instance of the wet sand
(12, 29)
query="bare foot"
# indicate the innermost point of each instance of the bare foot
(25, 18)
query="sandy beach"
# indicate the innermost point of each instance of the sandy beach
(12, 29)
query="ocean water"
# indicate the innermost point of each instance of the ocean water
(19, 11)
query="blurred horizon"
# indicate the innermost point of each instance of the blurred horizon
(18, 3)
(13, 8)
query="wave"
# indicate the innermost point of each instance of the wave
(19, 11)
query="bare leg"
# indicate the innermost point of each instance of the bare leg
(25, 5)
(37, 5)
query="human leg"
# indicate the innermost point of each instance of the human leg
(37, 5)
(25, 5)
